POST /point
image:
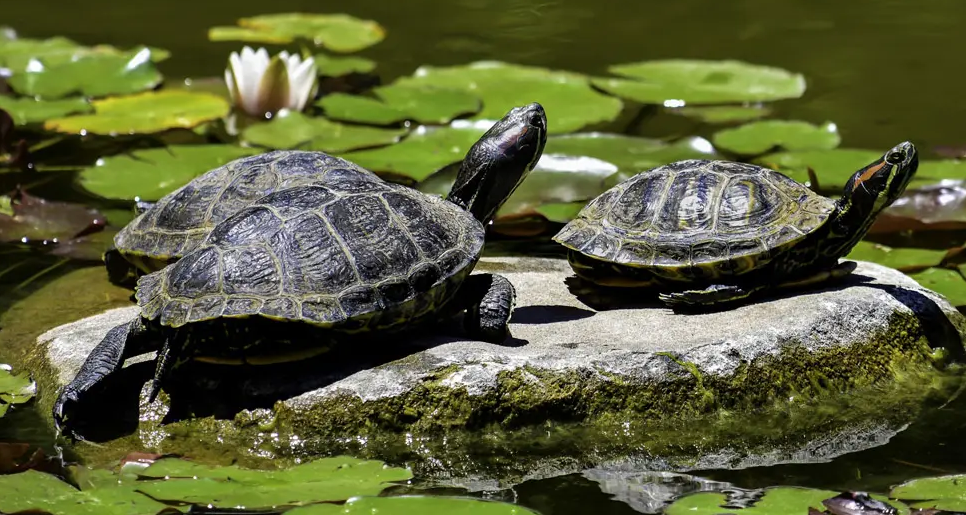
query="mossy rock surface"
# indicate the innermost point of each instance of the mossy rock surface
(600, 369)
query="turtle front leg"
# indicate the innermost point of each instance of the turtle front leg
(490, 299)
(714, 294)
(120, 343)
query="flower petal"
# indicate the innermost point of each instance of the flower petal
(273, 89)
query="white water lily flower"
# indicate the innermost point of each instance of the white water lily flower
(261, 86)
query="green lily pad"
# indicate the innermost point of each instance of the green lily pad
(943, 492)
(701, 82)
(686, 148)
(327, 479)
(949, 283)
(33, 490)
(357, 108)
(295, 130)
(93, 76)
(405, 505)
(561, 212)
(145, 113)
(570, 101)
(722, 114)
(423, 104)
(28, 110)
(153, 173)
(16, 54)
(338, 66)
(337, 32)
(833, 168)
(903, 259)
(776, 501)
(14, 389)
(421, 154)
(631, 154)
(757, 137)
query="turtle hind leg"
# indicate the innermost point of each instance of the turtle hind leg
(714, 294)
(838, 271)
(490, 299)
(120, 343)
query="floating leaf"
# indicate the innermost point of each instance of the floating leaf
(338, 66)
(406, 505)
(153, 173)
(429, 104)
(904, 259)
(148, 112)
(295, 130)
(943, 492)
(561, 212)
(776, 501)
(672, 81)
(28, 110)
(757, 137)
(832, 167)
(686, 148)
(32, 218)
(14, 389)
(631, 154)
(356, 108)
(327, 479)
(16, 54)
(421, 154)
(722, 114)
(337, 32)
(949, 283)
(570, 101)
(93, 76)
(32, 490)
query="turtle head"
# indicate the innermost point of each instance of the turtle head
(881, 182)
(497, 163)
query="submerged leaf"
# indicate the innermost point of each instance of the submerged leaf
(295, 130)
(93, 76)
(757, 137)
(153, 173)
(28, 110)
(673, 81)
(145, 113)
(14, 389)
(32, 218)
(337, 32)
(421, 153)
(327, 479)
(568, 97)
(937, 207)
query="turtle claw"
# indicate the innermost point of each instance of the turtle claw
(62, 410)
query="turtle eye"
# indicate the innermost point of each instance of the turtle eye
(895, 157)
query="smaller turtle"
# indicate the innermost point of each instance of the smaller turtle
(167, 229)
(706, 232)
(333, 262)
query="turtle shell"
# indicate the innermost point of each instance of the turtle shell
(179, 221)
(351, 253)
(697, 213)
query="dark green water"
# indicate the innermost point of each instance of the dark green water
(883, 70)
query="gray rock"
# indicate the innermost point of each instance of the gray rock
(605, 369)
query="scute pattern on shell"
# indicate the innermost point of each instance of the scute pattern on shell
(180, 220)
(353, 253)
(696, 212)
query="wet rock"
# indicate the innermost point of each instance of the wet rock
(581, 359)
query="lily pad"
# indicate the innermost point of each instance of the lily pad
(675, 81)
(145, 113)
(32, 490)
(405, 505)
(14, 389)
(16, 54)
(333, 66)
(631, 154)
(153, 173)
(949, 283)
(943, 492)
(357, 108)
(327, 479)
(422, 153)
(423, 104)
(930, 208)
(722, 114)
(28, 110)
(757, 137)
(570, 101)
(903, 259)
(93, 76)
(687, 148)
(561, 212)
(833, 168)
(337, 32)
(295, 130)
(28, 218)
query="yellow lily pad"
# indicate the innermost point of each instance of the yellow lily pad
(153, 173)
(145, 113)
(28, 110)
(337, 32)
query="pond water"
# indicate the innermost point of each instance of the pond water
(883, 70)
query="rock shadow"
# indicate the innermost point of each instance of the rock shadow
(201, 389)
(936, 326)
(548, 314)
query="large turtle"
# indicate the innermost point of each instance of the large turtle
(705, 232)
(177, 223)
(313, 265)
